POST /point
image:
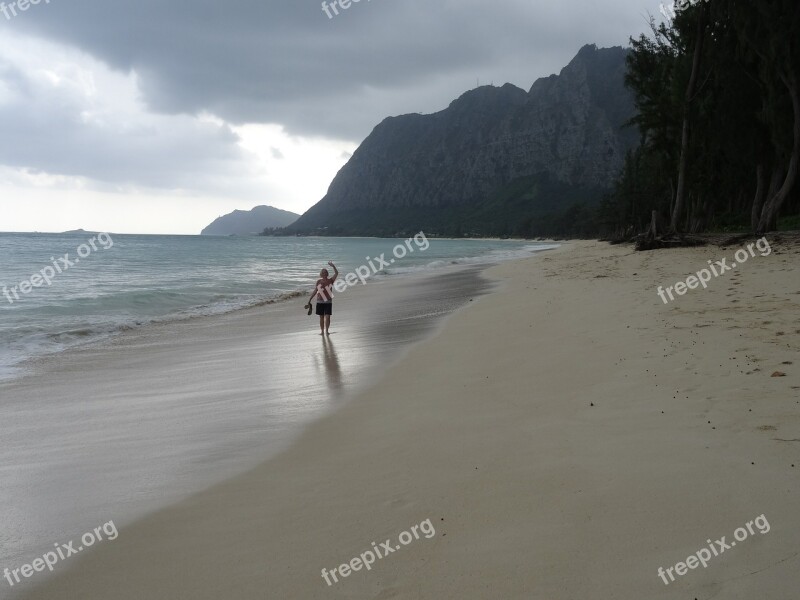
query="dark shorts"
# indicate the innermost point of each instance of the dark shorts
(324, 308)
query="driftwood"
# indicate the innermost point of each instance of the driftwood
(648, 241)
(645, 242)
(653, 239)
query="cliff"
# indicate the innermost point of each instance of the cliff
(494, 147)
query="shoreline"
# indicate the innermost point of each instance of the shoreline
(35, 340)
(574, 436)
(194, 401)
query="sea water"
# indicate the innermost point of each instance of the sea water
(91, 287)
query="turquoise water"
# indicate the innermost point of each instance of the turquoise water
(111, 283)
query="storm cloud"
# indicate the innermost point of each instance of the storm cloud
(286, 62)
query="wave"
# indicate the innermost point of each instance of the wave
(491, 257)
(92, 316)
(109, 318)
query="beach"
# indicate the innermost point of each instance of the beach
(566, 434)
(122, 426)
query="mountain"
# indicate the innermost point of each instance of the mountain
(497, 161)
(250, 222)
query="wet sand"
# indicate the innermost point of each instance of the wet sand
(117, 430)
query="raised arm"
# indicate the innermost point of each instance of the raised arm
(335, 270)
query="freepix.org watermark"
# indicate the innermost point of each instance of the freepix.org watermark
(62, 552)
(377, 264)
(714, 549)
(60, 265)
(12, 9)
(670, 12)
(332, 8)
(378, 551)
(703, 277)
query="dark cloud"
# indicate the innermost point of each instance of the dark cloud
(286, 62)
(52, 129)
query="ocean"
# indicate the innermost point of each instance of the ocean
(92, 287)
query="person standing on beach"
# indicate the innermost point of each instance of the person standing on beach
(324, 294)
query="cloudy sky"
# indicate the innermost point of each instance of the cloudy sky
(157, 116)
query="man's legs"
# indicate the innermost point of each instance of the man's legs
(327, 323)
(322, 324)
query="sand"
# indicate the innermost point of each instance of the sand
(121, 428)
(566, 436)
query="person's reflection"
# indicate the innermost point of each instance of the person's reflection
(332, 370)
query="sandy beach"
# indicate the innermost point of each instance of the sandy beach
(566, 435)
(121, 427)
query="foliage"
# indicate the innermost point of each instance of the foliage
(740, 118)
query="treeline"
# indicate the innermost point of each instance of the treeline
(718, 102)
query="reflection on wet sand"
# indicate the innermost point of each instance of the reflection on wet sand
(333, 371)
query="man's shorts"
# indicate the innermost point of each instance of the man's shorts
(324, 308)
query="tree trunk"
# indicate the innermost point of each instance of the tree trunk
(653, 233)
(679, 196)
(769, 215)
(758, 200)
(775, 181)
(671, 196)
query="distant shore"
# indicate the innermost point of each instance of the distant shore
(565, 436)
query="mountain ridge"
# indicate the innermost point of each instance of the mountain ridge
(565, 132)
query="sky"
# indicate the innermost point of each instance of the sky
(159, 116)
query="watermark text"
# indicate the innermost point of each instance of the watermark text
(332, 8)
(714, 549)
(62, 551)
(60, 265)
(18, 6)
(378, 551)
(717, 268)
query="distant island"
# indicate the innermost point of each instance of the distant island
(250, 222)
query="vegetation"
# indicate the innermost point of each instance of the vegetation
(718, 99)
(537, 206)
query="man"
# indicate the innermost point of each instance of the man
(324, 295)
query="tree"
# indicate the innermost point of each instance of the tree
(699, 17)
(718, 97)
